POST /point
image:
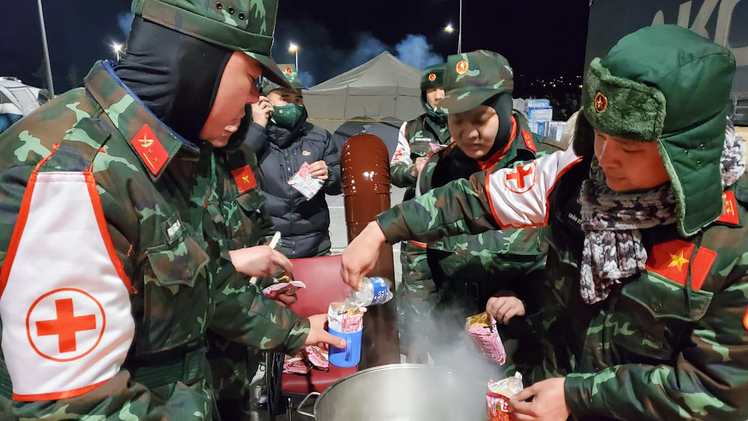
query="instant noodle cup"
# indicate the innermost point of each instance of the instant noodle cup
(498, 395)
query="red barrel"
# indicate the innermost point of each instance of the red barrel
(365, 166)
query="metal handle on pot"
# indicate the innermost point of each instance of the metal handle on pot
(301, 405)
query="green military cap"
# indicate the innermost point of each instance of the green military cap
(241, 25)
(472, 78)
(290, 74)
(433, 77)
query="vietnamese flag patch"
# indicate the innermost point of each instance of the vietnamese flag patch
(149, 149)
(244, 178)
(673, 260)
(745, 320)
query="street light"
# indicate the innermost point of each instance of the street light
(117, 48)
(449, 29)
(293, 48)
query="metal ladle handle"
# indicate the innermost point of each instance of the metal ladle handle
(301, 405)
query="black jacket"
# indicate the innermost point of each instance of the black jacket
(303, 224)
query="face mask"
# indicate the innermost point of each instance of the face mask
(287, 116)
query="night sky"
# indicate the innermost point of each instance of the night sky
(541, 38)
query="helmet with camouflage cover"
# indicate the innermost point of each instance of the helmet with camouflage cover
(472, 78)
(241, 25)
(289, 72)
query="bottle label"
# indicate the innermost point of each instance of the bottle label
(380, 290)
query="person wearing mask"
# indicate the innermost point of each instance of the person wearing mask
(113, 236)
(646, 299)
(284, 140)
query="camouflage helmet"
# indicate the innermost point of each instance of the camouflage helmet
(472, 78)
(241, 25)
(433, 77)
(290, 74)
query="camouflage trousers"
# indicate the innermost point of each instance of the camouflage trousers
(233, 366)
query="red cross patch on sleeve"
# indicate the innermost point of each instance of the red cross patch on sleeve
(730, 212)
(674, 258)
(149, 149)
(244, 178)
(527, 137)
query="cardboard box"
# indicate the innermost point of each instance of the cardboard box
(540, 114)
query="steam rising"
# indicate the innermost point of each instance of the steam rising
(319, 60)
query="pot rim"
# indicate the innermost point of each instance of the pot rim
(387, 367)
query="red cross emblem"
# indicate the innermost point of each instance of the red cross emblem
(521, 179)
(65, 324)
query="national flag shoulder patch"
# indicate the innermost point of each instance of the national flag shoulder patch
(149, 149)
(674, 259)
(730, 210)
(244, 178)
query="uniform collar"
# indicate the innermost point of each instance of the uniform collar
(130, 116)
(501, 153)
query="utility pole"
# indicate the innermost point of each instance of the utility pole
(459, 32)
(46, 51)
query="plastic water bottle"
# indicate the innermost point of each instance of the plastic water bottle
(376, 291)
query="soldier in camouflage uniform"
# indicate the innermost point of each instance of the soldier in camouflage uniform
(233, 365)
(416, 141)
(646, 303)
(467, 271)
(116, 228)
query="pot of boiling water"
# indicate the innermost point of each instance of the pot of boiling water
(402, 392)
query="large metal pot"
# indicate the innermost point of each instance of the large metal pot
(402, 392)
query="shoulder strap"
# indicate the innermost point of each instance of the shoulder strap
(77, 151)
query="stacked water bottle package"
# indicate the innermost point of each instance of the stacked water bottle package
(539, 114)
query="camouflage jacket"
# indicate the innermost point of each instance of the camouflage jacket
(164, 209)
(471, 265)
(416, 138)
(669, 343)
(232, 364)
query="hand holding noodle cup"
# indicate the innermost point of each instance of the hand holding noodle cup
(346, 321)
(485, 336)
(498, 396)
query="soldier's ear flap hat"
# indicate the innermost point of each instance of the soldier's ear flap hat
(240, 25)
(433, 77)
(668, 85)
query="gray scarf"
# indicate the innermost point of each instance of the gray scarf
(612, 222)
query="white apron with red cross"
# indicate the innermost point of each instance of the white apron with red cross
(64, 297)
